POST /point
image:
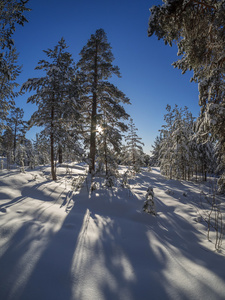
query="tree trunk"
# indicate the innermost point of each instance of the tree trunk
(196, 171)
(14, 143)
(53, 170)
(93, 115)
(93, 134)
(106, 159)
(60, 152)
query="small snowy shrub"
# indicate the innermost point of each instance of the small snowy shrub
(221, 184)
(77, 183)
(149, 204)
(22, 170)
(109, 181)
(149, 169)
(169, 192)
(93, 186)
(125, 179)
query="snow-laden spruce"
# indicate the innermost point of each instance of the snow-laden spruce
(197, 28)
(102, 102)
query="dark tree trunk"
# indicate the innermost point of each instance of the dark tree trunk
(60, 152)
(53, 170)
(105, 150)
(14, 143)
(93, 134)
(94, 115)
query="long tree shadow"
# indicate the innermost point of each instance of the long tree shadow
(96, 252)
(154, 259)
(132, 257)
(36, 262)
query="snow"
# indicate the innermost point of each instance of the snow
(57, 242)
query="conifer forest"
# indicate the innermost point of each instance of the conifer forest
(85, 212)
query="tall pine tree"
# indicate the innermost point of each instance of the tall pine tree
(55, 96)
(11, 13)
(101, 98)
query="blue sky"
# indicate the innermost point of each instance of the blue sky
(148, 78)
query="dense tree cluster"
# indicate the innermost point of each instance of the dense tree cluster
(197, 28)
(178, 151)
(77, 108)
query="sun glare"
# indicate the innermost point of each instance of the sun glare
(99, 129)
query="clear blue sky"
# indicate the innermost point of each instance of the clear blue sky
(148, 78)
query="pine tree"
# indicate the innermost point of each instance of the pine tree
(101, 99)
(166, 145)
(182, 152)
(18, 127)
(41, 149)
(135, 154)
(155, 157)
(55, 96)
(11, 13)
(7, 144)
(197, 28)
(9, 70)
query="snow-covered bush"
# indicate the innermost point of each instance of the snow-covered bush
(124, 179)
(169, 192)
(109, 181)
(149, 204)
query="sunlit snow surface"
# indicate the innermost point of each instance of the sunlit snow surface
(56, 243)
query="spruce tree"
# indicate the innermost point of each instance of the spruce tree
(101, 98)
(182, 153)
(18, 127)
(155, 156)
(11, 13)
(135, 154)
(41, 149)
(7, 145)
(9, 70)
(197, 28)
(55, 96)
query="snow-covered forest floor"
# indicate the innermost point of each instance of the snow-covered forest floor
(59, 242)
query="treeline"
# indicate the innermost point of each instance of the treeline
(183, 154)
(80, 111)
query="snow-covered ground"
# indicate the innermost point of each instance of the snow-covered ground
(60, 243)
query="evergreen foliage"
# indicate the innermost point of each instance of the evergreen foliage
(14, 136)
(101, 99)
(135, 154)
(197, 27)
(56, 97)
(18, 127)
(179, 151)
(155, 157)
(11, 13)
(9, 70)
